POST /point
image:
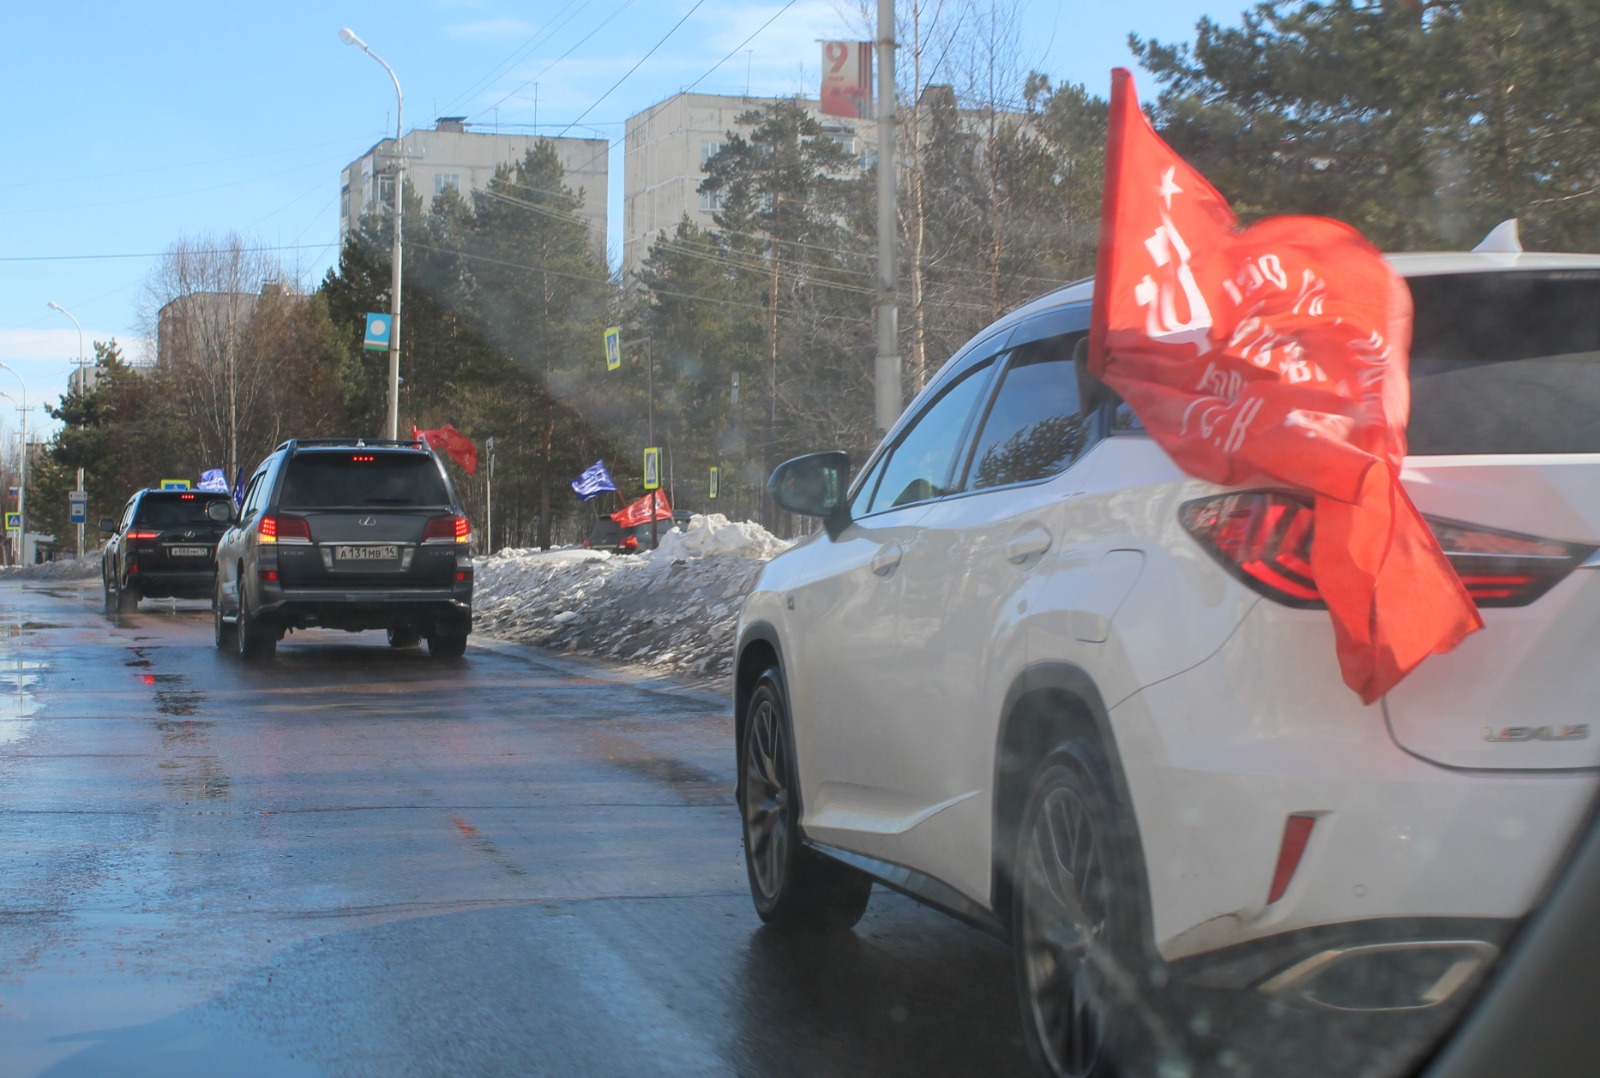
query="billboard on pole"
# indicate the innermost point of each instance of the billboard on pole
(847, 79)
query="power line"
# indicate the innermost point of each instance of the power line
(626, 5)
(161, 254)
(550, 29)
(635, 67)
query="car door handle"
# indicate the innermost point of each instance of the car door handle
(1027, 544)
(885, 560)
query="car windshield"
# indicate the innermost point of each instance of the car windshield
(337, 480)
(1506, 363)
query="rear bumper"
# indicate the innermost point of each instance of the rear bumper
(174, 584)
(427, 610)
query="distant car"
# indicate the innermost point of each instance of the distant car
(1033, 674)
(607, 534)
(163, 546)
(347, 534)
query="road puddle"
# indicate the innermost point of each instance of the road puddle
(17, 678)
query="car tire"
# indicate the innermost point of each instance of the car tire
(225, 631)
(1084, 967)
(127, 598)
(793, 888)
(447, 645)
(408, 638)
(110, 595)
(253, 641)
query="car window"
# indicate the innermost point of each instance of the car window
(332, 480)
(1035, 427)
(170, 511)
(1506, 363)
(918, 467)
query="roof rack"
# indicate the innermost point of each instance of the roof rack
(359, 443)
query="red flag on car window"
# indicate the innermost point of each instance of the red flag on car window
(1275, 353)
(639, 512)
(449, 440)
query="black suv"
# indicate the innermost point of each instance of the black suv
(163, 546)
(347, 534)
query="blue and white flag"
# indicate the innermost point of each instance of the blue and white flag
(213, 479)
(594, 482)
(238, 489)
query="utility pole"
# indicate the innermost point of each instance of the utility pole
(886, 370)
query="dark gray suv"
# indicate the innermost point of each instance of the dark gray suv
(347, 534)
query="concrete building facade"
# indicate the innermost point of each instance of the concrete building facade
(664, 156)
(449, 155)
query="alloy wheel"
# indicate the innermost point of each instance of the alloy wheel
(767, 799)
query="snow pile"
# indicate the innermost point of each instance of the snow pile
(60, 569)
(675, 607)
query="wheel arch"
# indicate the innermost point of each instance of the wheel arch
(1047, 704)
(758, 650)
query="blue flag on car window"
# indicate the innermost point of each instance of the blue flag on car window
(594, 482)
(238, 489)
(213, 479)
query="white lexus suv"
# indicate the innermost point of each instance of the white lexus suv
(1032, 674)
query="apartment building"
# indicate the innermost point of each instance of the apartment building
(667, 146)
(450, 155)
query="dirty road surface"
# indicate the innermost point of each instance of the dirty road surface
(359, 861)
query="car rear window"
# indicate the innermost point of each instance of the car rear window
(333, 480)
(1506, 363)
(174, 510)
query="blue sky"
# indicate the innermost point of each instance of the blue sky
(135, 125)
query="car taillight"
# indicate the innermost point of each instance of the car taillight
(1264, 538)
(1296, 833)
(630, 543)
(1503, 568)
(144, 535)
(457, 529)
(273, 529)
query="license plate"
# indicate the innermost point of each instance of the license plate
(366, 553)
(189, 551)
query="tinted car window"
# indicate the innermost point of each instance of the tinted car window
(919, 466)
(1035, 427)
(171, 511)
(332, 480)
(1506, 363)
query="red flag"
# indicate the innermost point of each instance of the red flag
(453, 442)
(639, 512)
(1276, 353)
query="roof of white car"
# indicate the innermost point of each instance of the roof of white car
(1409, 264)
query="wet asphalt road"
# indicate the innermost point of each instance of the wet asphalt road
(357, 861)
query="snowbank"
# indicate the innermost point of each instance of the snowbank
(60, 569)
(674, 607)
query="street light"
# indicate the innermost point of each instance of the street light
(83, 387)
(22, 482)
(348, 36)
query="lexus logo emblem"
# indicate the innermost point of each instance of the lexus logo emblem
(188, 535)
(367, 522)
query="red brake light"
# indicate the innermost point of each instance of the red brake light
(1264, 538)
(1296, 833)
(630, 543)
(186, 497)
(457, 528)
(273, 528)
(363, 459)
(144, 535)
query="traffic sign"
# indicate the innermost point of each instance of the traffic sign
(652, 468)
(13, 522)
(174, 484)
(613, 348)
(716, 474)
(380, 331)
(77, 507)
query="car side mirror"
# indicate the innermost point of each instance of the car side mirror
(815, 485)
(221, 512)
(108, 525)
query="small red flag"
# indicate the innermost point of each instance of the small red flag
(639, 512)
(451, 441)
(1276, 353)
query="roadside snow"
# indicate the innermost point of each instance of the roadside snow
(674, 607)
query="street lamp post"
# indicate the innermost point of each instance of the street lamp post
(83, 387)
(348, 36)
(22, 479)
